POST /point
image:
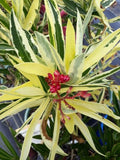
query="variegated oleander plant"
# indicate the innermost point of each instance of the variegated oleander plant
(58, 71)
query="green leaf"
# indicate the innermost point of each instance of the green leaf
(30, 18)
(5, 5)
(5, 48)
(28, 137)
(10, 93)
(97, 5)
(107, 3)
(4, 35)
(9, 146)
(71, 7)
(4, 155)
(56, 26)
(88, 16)
(20, 41)
(4, 20)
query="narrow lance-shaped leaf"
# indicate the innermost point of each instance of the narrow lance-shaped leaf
(33, 102)
(8, 144)
(4, 19)
(18, 9)
(33, 78)
(45, 50)
(7, 97)
(55, 134)
(79, 36)
(46, 139)
(88, 87)
(70, 45)
(32, 13)
(83, 128)
(99, 77)
(97, 5)
(107, 3)
(88, 16)
(28, 137)
(80, 105)
(75, 69)
(102, 49)
(34, 68)
(56, 26)
(4, 35)
(5, 48)
(5, 5)
(20, 41)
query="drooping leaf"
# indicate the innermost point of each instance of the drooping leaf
(46, 139)
(55, 135)
(83, 128)
(28, 137)
(91, 106)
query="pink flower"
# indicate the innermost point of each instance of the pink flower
(63, 13)
(55, 80)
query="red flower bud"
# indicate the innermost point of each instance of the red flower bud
(56, 74)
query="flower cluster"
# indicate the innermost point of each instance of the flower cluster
(55, 80)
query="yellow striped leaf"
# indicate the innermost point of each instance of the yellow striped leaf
(70, 45)
(34, 68)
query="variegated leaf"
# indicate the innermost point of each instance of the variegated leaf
(102, 49)
(28, 137)
(21, 42)
(100, 76)
(33, 102)
(79, 34)
(70, 45)
(56, 26)
(45, 50)
(83, 128)
(55, 135)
